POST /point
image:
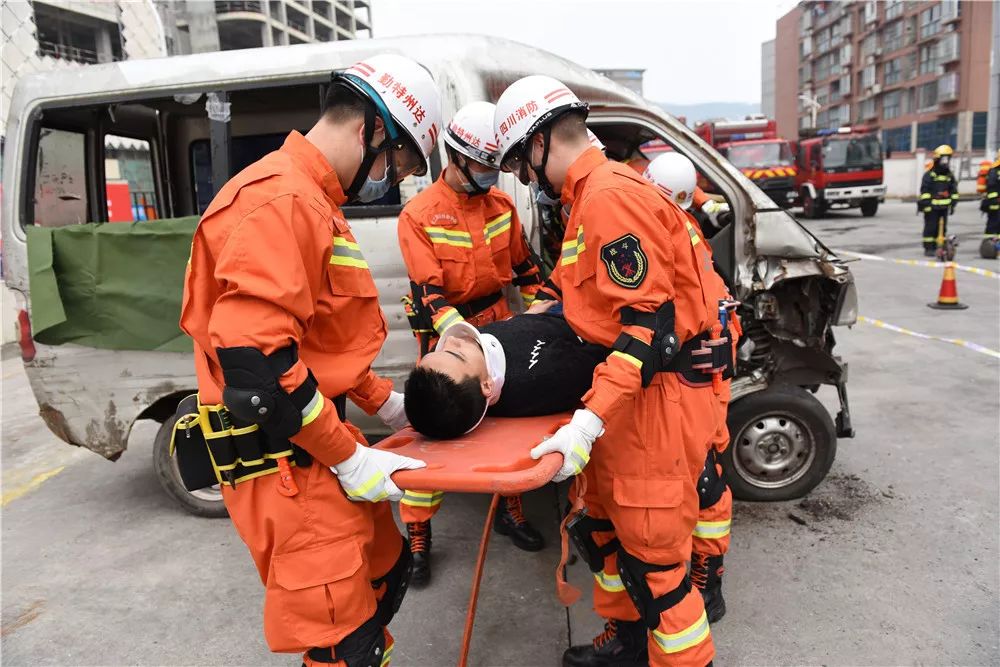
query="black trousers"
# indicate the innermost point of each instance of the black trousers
(992, 223)
(931, 219)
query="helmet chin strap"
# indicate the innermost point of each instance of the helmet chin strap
(371, 154)
(543, 181)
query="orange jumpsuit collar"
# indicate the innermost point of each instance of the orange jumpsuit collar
(309, 156)
(588, 161)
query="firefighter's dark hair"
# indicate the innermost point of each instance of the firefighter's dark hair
(439, 407)
(342, 104)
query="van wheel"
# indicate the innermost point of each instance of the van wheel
(204, 502)
(783, 444)
(869, 207)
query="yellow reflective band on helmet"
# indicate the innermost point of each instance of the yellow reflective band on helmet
(629, 358)
(347, 253)
(612, 583)
(421, 499)
(449, 237)
(712, 530)
(497, 226)
(446, 319)
(311, 411)
(685, 639)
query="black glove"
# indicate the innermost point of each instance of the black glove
(951, 211)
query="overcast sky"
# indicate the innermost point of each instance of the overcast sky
(692, 50)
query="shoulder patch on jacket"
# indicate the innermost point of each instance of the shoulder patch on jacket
(626, 262)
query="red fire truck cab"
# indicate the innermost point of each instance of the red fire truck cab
(753, 146)
(840, 168)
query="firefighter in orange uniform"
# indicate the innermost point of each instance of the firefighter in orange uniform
(675, 175)
(630, 279)
(462, 243)
(286, 322)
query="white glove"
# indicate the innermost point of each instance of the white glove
(364, 475)
(713, 210)
(392, 413)
(574, 441)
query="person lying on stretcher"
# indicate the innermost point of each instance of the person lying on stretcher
(529, 365)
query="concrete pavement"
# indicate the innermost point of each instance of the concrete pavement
(892, 560)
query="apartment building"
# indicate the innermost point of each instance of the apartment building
(200, 26)
(918, 71)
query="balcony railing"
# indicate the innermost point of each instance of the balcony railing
(229, 6)
(65, 52)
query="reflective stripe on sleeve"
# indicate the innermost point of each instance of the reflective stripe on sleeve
(629, 358)
(312, 410)
(712, 530)
(347, 253)
(612, 583)
(422, 498)
(445, 318)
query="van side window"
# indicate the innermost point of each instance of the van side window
(129, 179)
(244, 151)
(61, 180)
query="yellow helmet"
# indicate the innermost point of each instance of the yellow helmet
(943, 149)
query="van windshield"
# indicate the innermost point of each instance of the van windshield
(759, 154)
(852, 153)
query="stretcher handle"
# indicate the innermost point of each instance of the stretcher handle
(504, 483)
(477, 577)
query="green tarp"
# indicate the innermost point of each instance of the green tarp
(115, 286)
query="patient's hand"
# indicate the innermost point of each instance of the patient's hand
(540, 306)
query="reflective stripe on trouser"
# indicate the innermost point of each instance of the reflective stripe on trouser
(317, 554)
(419, 506)
(930, 234)
(628, 480)
(711, 533)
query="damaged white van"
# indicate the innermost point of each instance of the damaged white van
(100, 299)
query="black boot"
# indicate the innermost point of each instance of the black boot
(622, 644)
(510, 521)
(706, 575)
(420, 546)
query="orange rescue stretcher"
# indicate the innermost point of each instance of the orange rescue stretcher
(493, 459)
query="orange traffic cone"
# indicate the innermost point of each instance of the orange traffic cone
(948, 296)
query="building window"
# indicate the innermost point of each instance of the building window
(871, 12)
(892, 37)
(930, 21)
(928, 58)
(893, 9)
(868, 44)
(927, 96)
(978, 130)
(867, 108)
(892, 104)
(67, 35)
(868, 77)
(805, 46)
(896, 139)
(892, 71)
(933, 133)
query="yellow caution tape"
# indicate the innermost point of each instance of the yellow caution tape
(975, 347)
(985, 273)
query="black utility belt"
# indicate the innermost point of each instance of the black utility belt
(702, 357)
(212, 449)
(471, 308)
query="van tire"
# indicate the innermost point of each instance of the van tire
(202, 503)
(869, 207)
(786, 417)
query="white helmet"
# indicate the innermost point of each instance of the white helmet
(595, 142)
(470, 132)
(404, 91)
(675, 175)
(525, 106)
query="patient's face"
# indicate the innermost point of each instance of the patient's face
(458, 357)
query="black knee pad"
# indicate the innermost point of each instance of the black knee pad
(362, 648)
(396, 581)
(711, 486)
(633, 573)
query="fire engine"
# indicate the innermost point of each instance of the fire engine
(840, 168)
(754, 147)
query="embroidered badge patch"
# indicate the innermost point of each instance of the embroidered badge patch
(626, 262)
